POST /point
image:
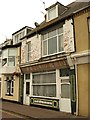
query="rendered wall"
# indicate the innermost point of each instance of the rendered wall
(15, 96)
(82, 71)
(81, 32)
(82, 36)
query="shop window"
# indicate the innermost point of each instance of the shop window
(44, 84)
(64, 72)
(27, 88)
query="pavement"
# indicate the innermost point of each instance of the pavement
(35, 112)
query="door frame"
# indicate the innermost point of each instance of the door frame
(67, 78)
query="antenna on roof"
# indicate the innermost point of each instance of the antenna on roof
(43, 3)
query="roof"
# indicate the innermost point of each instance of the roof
(22, 29)
(57, 3)
(11, 46)
(72, 8)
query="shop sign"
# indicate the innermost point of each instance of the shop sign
(52, 103)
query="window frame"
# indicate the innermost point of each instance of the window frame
(28, 51)
(12, 57)
(9, 86)
(47, 39)
(43, 83)
(56, 14)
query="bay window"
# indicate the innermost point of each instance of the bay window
(11, 57)
(52, 42)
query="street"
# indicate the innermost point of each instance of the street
(6, 114)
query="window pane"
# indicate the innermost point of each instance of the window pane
(60, 30)
(44, 90)
(27, 76)
(52, 13)
(28, 51)
(65, 90)
(52, 45)
(44, 47)
(60, 40)
(12, 52)
(27, 87)
(11, 61)
(51, 34)
(12, 87)
(45, 36)
(64, 72)
(45, 78)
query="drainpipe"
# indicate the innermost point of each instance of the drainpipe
(75, 69)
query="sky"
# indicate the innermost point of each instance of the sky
(15, 14)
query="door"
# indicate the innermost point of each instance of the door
(65, 101)
(27, 92)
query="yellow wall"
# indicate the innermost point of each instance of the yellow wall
(89, 87)
(81, 32)
(15, 96)
(82, 71)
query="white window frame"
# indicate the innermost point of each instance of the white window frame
(57, 35)
(44, 84)
(56, 14)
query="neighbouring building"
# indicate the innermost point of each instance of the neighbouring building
(11, 73)
(54, 60)
(0, 68)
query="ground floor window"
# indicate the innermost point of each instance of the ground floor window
(9, 85)
(44, 84)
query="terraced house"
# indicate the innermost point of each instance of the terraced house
(55, 60)
(49, 65)
(10, 71)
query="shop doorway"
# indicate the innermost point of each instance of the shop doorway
(65, 101)
(27, 92)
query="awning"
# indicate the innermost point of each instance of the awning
(45, 66)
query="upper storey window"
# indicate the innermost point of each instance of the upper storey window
(28, 51)
(52, 13)
(19, 36)
(52, 42)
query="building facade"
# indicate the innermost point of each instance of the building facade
(53, 62)
(49, 65)
(10, 71)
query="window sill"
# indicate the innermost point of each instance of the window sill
(8, 94)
